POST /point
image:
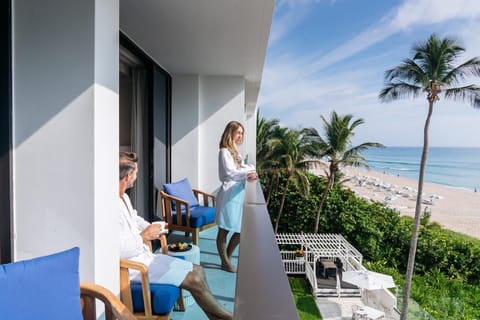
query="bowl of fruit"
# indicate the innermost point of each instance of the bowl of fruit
(179, 246)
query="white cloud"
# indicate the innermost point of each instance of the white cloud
(289, 14)
(357, 44)
(422, 12)
(298, 89)
(412, 13)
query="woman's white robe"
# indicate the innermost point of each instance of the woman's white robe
(230, 196)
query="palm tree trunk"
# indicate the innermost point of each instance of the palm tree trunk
(416, 223)
(331, 178)
(282, 202)
(270, 188)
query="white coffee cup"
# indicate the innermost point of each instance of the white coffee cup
(162, 223)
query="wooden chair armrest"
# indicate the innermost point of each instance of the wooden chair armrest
(126, 264)
(206, 196)
(172, 198)
(167, 207)
(130, 264)
(163, 243)
(114, 308)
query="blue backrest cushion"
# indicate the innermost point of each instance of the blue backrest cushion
(183, 190)
(47, 287)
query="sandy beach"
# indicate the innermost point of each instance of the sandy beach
(454, 208)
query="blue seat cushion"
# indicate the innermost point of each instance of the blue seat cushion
(164, 297)
(199, 216)
(47, 287)
(183, 190)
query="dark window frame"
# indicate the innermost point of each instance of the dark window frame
(6, 132)
(153, 69)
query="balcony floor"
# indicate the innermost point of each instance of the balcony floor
(221, 283)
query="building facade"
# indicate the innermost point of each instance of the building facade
(83, 79)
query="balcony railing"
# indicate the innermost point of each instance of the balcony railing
(262, 289)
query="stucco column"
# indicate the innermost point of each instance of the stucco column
(65, 127)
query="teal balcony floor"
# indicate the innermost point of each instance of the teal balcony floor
(222, 283)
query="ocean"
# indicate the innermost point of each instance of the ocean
(455, 167)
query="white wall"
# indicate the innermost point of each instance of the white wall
(65, 132)
(185, 128)
(201, 108)
(222, 99)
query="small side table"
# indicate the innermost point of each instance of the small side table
(192, 255)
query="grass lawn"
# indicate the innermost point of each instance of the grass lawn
(306, 307)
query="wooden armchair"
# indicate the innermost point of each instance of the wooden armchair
(182, 210)
(148, 300)
(114, 308)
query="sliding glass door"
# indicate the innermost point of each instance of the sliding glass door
(145, 91)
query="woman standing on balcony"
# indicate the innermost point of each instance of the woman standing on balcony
(232, 173)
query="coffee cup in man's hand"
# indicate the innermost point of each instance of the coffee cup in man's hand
(163, 228)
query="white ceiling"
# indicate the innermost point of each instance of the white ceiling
(204, 37)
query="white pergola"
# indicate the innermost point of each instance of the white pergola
(329, 245)
(319, 246)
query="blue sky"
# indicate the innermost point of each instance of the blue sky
(326, 55)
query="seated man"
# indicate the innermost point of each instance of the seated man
(134, 231)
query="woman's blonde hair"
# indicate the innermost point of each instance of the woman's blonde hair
(227, 140)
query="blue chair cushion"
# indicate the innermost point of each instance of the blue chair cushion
(183, 190)
(47, 287)
(199, 216)
(164, 297)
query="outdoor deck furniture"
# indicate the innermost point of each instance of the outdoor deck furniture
(48, 287)
(355, 315)
(321, 246)
(182, 210)
(149, 301)
(328, 264)
(369, 313)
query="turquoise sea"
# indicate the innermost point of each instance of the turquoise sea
(456, 167)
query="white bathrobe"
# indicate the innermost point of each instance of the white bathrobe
(230, 196)
(161, 268)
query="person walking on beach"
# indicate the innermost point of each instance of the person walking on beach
(232, 173)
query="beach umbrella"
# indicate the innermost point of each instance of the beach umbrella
(368, 279)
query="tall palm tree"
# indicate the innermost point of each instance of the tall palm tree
(265, 134)
(293, 148)
(266, 161)
(336, 144)
(429, 72)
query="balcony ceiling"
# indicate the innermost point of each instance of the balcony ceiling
(204, 37)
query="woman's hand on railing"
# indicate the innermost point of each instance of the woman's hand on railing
(252, 176)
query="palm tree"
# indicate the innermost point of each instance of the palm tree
(430, 71)
(293, 148)
(339, 152)
(265, 133)
(266, 161)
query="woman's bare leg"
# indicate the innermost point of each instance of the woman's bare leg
(232, 245)
(222, 250)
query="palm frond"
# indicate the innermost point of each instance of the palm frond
(462, 71)
(399, 90)
(470, 93)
